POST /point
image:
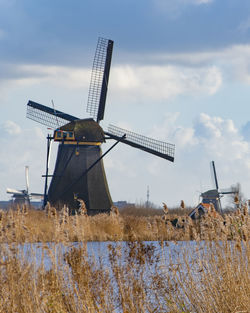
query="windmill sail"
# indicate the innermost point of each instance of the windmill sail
(214, 175)
(47, 116)
(27, 179)
(14, 191)
(23, 196)
(159, 148)
(36, 195)
(99, 79)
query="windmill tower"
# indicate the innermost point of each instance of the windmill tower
(214, 195)
(79, 170)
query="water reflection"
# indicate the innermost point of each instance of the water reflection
(46, 254)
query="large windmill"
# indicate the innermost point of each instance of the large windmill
(79, 171)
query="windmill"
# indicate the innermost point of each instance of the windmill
(23, 196)
(79, 170)
(214, 195)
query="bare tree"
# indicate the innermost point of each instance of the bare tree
(236, 198)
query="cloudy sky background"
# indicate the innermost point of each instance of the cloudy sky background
(180, 73)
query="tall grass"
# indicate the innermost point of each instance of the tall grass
(24, 225)
(210, 275)
(138, 278)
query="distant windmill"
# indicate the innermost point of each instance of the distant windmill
(79, 171)
(214, 195)
(23, 196)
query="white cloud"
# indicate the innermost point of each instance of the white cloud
(170, 131)
(31, 75)
(222, 141)
(184, 136)
(11, 128)
(216, 126)
(143, 83)
(232, 62)
(173, 9)
(220, 138)
(164, 82)
(167, 128)
(69, 77)
(161, 77)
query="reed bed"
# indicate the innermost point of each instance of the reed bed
(209, 277)
(208, 271)
(24, 225)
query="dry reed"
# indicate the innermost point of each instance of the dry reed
(23, 225)
(210, 275)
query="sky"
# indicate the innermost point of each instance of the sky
(180, 73)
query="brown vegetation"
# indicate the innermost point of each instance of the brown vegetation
(23, 225)
(140, 210)
(202, 276)
(210, 277)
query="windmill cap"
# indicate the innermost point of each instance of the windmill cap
(85, 130)
(211, 194)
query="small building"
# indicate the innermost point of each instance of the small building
(212, 196)
(200, 210)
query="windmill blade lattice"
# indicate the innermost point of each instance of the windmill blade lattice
(47, 116)
(156, 147)
(99, 79)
